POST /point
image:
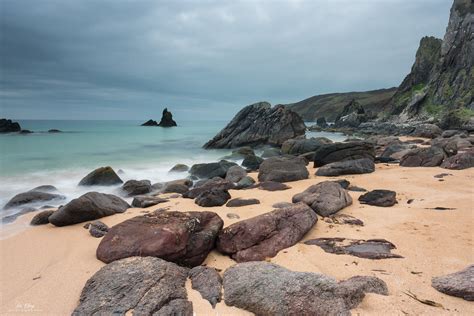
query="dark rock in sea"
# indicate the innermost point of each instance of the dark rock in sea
(98, 229)
(142, 286)
(299, 146)
(268, 289)
(42, 218)
(321, 122)
(240, 153)
(26, 131)
(259, 124)
(245, 183)
(45, 188)
(185, 238)
(325, 198)
(383, 198)
(207, 282)
(343, 151)
(207, 185)
(90, 206)
(369, 249)
(273, 186)
(7, 126)
(212, 197)
(167, 119)
(31, 197)
(352, 115)
(252, 162)
(136, 187)
(460, 161)
(358, 166)
(147, 201)
(265, 235)
(459, 284)
(343, 219)
(427, 131)
(235, 174)
(283, 169)
(54, 131)
(179, 168)
(11, 218)
(150, 123)
(211, 170)
(423, 157)
(238, 202)
(271, 152)
(101, 176)
(180, 186)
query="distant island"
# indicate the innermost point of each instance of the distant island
(166, 120)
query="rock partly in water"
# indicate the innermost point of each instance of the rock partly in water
(358, 166)
(259, 124)
(150, 123)
(268, 289)
(329, 153)
(90, 206)
(167, 119)
(136, 187)
(423, 157)
(382, 198)
(101, 176)
(459, 284)
(147, 201)
(185, 238)
(245, 182)
(271, 152)
(211, 170)
(283, 169)
(235, 174)
(369, 249)
(54, 130)
(45, 188)
(142, 286)
(213, 197)
(11, 218)
(42, 218)
(207, 282)
(460, 161)
(179, 168)
(265, 235)
(252, 162)
(238, 202)
(325, 198)
(8, 126)
(31, 197)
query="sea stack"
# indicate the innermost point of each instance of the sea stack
(7, 126)
(167, 119)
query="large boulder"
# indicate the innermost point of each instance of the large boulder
(265, 235)
(167, 119)
(235, 174)
(423, 157)
(268, 289)
(142, 286)
(213, 197)
(31, 197)
(343, 151)
(211, 170)
(283, 169)
(90, 206)
(207, 282)
(7, 126)
(180, 186)
(299, 146)
(460, 161)
(325, 198)
(136, 187)
(239, 202)
(427, 131)
(185, 238)
(382, 198)
(207, 185)
(459, 284)
(101, 176)
(358, 166)
(259, 124)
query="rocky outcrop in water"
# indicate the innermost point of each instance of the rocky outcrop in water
(259, 124)
(101, 176)
(31, 197)
(167, 119)
(7, 126)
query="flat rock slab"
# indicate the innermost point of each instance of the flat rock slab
(329, 153)
(241, 202)
(283, 169)
(268, 289)
(384, 198)
(147, 201)
(459, 284)
(272, 186)
(369, 249)
(338, 168)
(185, 238)
(265, 235)
(344, 219)
(208, 282)
(144, 286)
(31, 197)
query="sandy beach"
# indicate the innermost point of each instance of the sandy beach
(44, 268)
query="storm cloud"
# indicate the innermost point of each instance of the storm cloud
(127, 59)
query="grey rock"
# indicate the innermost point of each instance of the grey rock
(382, 198)
(207, 282)
(283, 169)
(273, 186)
(423, 157)
(241, 202)
(98, 229)
(207, 185)
(459, 284)
(213, 197)
(41, 218)
(252, 162)
(11, 218)
(329, 153)
(179, 168)
(427, 131)
(245, 182)
(358, 166)
(31, 197)
(301, 146)
(136, 187)
(271, 152)
(45, 188)
(101, 176)
(147, 201)
(460, 161)
(211, 170)
(235, 174)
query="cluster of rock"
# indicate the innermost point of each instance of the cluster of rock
(8, 126)
(166, 120)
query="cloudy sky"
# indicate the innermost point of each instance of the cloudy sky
(124, 59)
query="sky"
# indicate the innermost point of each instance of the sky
(128, 59)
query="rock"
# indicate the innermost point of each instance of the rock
(242, 202)
(459, 284)
(265, 235)
(328, 153)
(321, 122)
(383, 198)
(369, 249)
(352, 115)
(180, 186)
(252, 162)
(101, 176)
(53, 130)
(282, 205)
(423, 157)
(283, 169)
(343, 183)
(7, 126)
(45, 188)
(179, 168)
(142, 286)
(167, 119)
(358, 166)
(31, 197)
(259, 124)
(98, 229)
(42, 218)
(11, 218)
(150, 123)
(396, 150)
(271, 152)
(246, 182)
(235, 174)
(453, 132)
(241, 153)
(90, 206)
(157, 187)
(207, 185)
(185, 238)
(342, 219)
(449, 145)
(25, 131)
(273, 186)
(300, 146)
(207, 282)
(268, 289)
(136, 187)
(356, 189)
(147, 201)
(213, 197)
(460, 161)
(427, 131)
(308, 157)
(325, 198)
(232, 216)
(211, 170)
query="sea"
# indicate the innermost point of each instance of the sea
(134, 151)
